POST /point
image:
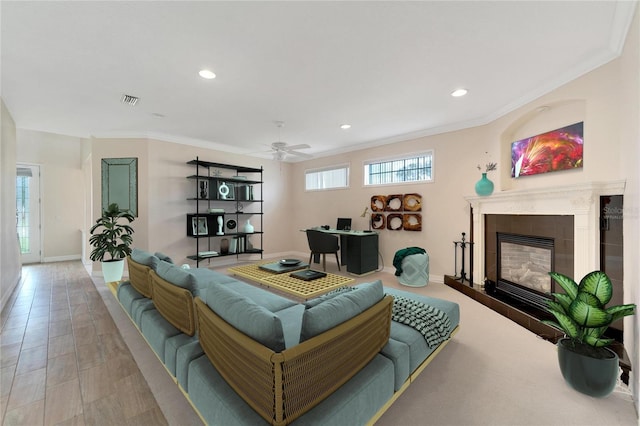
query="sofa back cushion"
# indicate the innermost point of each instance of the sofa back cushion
(145, 258)
(246, 316)
(163, 256)
(139, 277)
(338, 309)
(177, 276)
(175, 304)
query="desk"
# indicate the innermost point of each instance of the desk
(358, 250)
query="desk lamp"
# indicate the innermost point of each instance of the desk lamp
(364, 214)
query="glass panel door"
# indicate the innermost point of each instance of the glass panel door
(28, 212)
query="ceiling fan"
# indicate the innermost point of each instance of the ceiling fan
(280, 149)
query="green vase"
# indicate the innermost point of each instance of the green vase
(484, 186)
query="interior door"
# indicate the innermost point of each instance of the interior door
(28, 212)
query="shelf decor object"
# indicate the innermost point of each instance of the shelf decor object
(412, 222)
(412, 202)
(378, 221)
(378, 203)
(484, 186)
(394, 221)
(394, 203)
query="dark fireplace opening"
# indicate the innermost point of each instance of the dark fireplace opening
(523, 265)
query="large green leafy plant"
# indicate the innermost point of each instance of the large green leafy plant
(581, 311)
(110, 236)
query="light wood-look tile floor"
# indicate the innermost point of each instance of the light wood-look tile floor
(63, 361)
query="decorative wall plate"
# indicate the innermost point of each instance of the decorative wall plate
(394, 221)
(378, 203)
(394, 203)
(378, 221)
(412, 202)
(412, 221)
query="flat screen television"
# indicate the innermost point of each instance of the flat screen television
(559, 149)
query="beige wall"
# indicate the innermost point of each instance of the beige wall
(61, 188)
(10, 266)
(629, 113)
(163, 190)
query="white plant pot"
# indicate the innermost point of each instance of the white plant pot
(112, 270)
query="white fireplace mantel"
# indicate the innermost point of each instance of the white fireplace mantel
(582, 201)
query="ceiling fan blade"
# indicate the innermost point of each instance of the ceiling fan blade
(294, 147)
(299, 154)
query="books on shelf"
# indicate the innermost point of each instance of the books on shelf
(207, 253)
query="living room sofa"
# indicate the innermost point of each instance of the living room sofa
(244, 355)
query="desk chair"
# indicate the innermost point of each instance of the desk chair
(322, 243)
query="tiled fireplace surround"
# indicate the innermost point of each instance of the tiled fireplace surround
(580, 201)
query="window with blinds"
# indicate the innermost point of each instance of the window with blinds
(334, 177)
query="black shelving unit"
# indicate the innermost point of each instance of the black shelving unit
(224, 195)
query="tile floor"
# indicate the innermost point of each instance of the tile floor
(62, 358)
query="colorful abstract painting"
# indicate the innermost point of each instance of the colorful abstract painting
(556, 150)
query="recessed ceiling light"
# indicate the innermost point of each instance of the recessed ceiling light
(207, 74)
(345, 126)
(459, 92)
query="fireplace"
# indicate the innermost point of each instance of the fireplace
(579, 201)
(523, 264)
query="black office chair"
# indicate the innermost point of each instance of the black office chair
(323, 243)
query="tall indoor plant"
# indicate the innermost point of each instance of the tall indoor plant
(109, 236)
(586, 363)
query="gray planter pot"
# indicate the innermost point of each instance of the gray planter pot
(588, 375)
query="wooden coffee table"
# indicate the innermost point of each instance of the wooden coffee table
(290, 285)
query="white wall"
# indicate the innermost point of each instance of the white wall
(61, 187)
(10, 266)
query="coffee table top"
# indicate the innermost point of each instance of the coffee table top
(290, 285)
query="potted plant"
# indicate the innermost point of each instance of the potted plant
(586, 363)
(112, 238)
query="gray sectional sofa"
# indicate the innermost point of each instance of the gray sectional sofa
(243, 355)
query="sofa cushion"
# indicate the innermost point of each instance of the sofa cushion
(156, 331)
(184, 356)
(318, 300)
(260, 296)
(338, 309)
(163, 256)
(126, 295)
(177, 276)
(398, 353)
(144, 258)
(245, 315)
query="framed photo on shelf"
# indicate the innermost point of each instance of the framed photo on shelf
(199, 225)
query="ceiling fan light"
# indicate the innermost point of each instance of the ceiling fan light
(279, 155)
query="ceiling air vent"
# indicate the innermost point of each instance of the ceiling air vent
(129, 100)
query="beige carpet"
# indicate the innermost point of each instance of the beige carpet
(493, 372)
